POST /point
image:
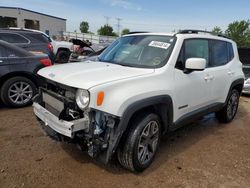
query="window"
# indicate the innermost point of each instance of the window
(2, 52)
(196, 48)
(37, 37)
(146, 51)
(32, 24)
(6, 22)
(193, 48)
(219, 53)
(13, 38)
(231, 51)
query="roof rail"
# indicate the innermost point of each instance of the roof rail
(194, 31)
(135, 32)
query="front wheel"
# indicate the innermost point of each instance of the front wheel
(141, 145)
(228, 112)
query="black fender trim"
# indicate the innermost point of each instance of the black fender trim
(239, 81)
(121, 127)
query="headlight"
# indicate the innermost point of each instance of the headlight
(247, 81)
(82, 98)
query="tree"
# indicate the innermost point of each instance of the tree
(239, 31)
(84, 27)
(106, 30)
(217, 30)
(125, 31)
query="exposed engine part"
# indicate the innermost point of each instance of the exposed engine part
(100, 122)
(74, 114)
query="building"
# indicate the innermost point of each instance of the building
(23, 18)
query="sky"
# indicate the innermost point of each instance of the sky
(141, 15)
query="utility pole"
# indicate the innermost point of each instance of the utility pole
(118, 25)
(107, 19)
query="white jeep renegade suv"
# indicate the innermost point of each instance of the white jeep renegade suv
(143, 86)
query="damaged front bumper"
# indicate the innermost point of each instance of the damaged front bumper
(66, 128)
(94, 131)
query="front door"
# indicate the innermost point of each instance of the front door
(192, 90)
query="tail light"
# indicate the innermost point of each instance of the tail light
(50, 47)
(46, 62)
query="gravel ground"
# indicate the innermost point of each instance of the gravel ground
(202, 154)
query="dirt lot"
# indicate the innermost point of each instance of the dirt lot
(203, 154)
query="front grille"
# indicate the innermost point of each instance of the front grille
(65, 91)
(59, 100)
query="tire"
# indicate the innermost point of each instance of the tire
(18, 92)
(62, 56)
(138, 150)
(228, 112)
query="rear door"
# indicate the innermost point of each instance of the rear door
(4, 63)
(17, 60)
(220, 68)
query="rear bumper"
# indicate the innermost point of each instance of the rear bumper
(66, 128)
(246, 89)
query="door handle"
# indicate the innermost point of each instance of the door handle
(230, 73)
(208, 77)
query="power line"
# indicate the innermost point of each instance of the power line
(107, 19)
(118, 25)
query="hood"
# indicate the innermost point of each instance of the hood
(63, 43)
(88, 74)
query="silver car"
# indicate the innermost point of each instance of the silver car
(246, 88)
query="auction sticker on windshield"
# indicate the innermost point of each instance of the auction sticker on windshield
(158, 44)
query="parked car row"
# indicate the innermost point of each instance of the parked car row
(38, 42)
(22, 53)
(18, 78)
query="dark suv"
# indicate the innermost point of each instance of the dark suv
(31, 41)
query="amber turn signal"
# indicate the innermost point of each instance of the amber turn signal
(100, 98)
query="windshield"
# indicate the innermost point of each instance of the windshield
(148, 51)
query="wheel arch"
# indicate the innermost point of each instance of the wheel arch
(27, 75)
(162, 105)
(236, 84)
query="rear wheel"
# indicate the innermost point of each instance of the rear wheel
(18, 92)
(141, 145)
(228, 112)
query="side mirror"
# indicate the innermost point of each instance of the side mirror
(195, 64)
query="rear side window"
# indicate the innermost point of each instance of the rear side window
(13, 38)
(38, 38)
(221, 53)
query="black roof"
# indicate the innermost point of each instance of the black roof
(18, 8)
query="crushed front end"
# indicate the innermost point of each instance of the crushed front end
(63, 120)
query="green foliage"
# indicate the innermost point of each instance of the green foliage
(217, 30)
(125, 31)
(106, 30)
(239, 31)
(84, 27)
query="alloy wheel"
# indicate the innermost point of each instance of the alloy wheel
(148, 142)
(232, 105)
(20, 93)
